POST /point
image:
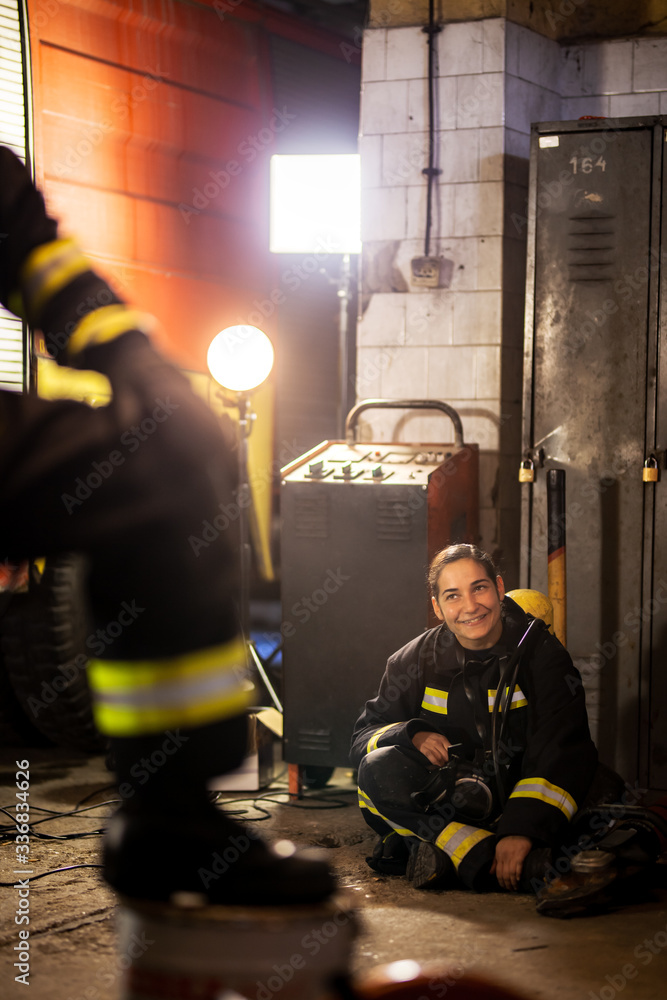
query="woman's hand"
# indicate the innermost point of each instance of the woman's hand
(508, 862)
(435, 746)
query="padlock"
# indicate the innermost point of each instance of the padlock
(650, 470)
(527, 471)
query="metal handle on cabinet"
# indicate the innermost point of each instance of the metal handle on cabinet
(403, 404)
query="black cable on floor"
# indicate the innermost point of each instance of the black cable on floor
(9, 831)
(53, 871)
(98, 791)
(327, 802)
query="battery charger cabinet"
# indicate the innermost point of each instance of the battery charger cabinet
(360, 524)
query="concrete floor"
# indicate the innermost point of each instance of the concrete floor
(497, 936)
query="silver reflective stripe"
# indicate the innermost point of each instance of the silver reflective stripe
(435, 700)
(12, 134)
(519, 699)
(453, 837)
(545, 791)
(176, 693)
(457, 840)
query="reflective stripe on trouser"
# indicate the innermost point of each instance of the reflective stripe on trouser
(135, 698)
(387, 777)
(366, 805)
(471, 850)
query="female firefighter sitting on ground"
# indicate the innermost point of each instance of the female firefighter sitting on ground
(437, 692)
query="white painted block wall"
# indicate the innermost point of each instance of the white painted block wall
(494, 79)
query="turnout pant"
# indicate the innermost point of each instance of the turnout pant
(387, 777)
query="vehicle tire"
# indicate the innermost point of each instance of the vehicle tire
(16, 729)
(44, 635)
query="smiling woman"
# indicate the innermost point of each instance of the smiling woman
(508, 801)
(466, 592)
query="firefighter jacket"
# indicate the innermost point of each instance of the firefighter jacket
(433, 684)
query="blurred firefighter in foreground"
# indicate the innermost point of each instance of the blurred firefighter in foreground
(168, 690)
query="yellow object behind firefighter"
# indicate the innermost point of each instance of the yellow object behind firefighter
(534, 603)
(261, 464)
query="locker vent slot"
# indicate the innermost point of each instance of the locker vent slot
(393, 521)
(312, 517)
(591, 248)
(319, 740)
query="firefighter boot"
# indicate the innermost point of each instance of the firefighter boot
(585, 888)
(616, 871)
(168, 838)
(639, 836)
(537, 868)
(390, 855)
(191, 847)
(430, 868)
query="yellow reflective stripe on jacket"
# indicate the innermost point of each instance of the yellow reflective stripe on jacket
(136, 697)
(365, 803)
(519, 699)
(373, 742)
(49, 268)
(545, 791)
(457, 839)
(435, 700)
(106, 324)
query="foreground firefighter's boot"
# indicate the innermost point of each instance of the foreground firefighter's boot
(159, 854)
(168, 838)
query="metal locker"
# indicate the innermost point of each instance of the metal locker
(591, 392)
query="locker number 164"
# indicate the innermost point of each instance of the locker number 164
(586, 164)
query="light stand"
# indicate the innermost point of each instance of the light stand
(240, 358)
(343, 285)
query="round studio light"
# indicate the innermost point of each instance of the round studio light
(240, 358)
